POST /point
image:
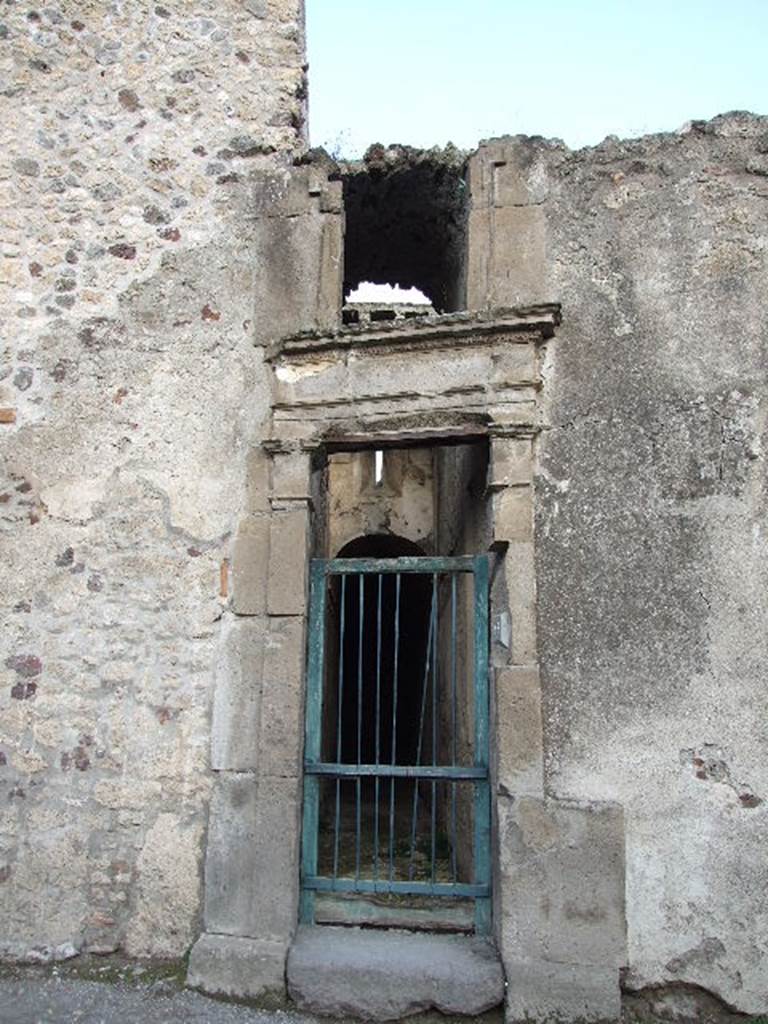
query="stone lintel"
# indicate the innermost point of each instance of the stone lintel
(408, 437)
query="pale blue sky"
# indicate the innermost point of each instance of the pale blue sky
(425, 72)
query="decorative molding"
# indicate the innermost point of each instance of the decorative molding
(446, 330)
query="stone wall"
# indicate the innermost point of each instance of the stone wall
(153, 241)
(133, 136)
(651, 528)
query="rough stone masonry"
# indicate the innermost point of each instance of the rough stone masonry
(153, 246)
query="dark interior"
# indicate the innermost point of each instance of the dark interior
(406, 223)
(376, 643)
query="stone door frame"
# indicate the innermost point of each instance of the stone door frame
(354, 388)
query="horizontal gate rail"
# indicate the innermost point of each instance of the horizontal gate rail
(399, 771)
(322, 884)
(353, 566)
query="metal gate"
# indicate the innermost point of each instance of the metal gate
(396, 793)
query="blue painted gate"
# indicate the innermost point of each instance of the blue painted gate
(396, 791)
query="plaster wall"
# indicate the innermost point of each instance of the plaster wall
(650, 518)
(139, 144)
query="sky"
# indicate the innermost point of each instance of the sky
(426, 72)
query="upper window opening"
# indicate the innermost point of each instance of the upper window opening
(406, 224)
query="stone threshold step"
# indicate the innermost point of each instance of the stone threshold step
(377, 974)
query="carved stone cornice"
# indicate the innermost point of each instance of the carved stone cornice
(447, 330)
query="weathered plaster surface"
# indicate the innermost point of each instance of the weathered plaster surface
(651, 536)
(130, 393)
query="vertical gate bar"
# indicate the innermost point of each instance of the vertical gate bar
(340, 695)
(361, 614)
(378, 727)
(315, 661)
(454, 579)
(482, 850)
(394, 728)
(433, 809)
(419, 743)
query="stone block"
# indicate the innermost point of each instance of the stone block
(517, 260)
(511, 461)
(331, 197)
(237, 694)
(227, 965)
(520, 749)
(478, 258)
(257, 480)
(288, 549)
(520, 572)
(514, 364)
(251, 870)
(320, 378)
(513, 514)
(249, 567)
(293, 258)
(550, 993)
(508, 185)
(282, 702)
(290, 475)
(422, 373)
(518, 181)
(281, 194)
(288, 425)
(515, 408)
(330, 295)
(480, 173)
(561, 882)
(386, 975)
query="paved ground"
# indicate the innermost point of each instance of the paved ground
(127, 995)
(58, 1001)
(114, 991)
